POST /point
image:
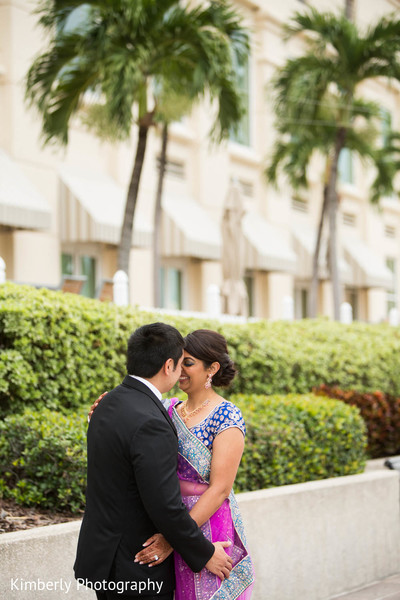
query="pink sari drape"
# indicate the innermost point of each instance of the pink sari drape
(194, 461)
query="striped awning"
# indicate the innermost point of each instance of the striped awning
(266, 247)
(21, 205)
(368, 269)
(304, 239)
(188, 230)
(92, 209)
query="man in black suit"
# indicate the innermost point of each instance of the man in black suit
(132, 487)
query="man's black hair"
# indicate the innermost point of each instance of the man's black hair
(150, 346)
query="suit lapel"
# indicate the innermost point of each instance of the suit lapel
(141, 387)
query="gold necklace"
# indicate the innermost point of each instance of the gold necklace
(186, 415)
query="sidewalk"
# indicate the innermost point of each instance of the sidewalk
(387, 589)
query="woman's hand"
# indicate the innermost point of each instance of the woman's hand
(156, 550)
(94, 406)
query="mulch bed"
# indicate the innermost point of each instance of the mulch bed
(16, 518)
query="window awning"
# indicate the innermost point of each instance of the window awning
(92, 209)
(188, 230)
(266, 248)
(304, 245)
(21, 205)
(368, 269)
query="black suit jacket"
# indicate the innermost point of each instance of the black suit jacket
(133, 491)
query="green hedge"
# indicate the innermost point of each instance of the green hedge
(289, 440)
(381, 413)
(43, 459)
(60, 351)
(296, 438)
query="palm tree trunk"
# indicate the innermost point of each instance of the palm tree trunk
(349, 10)
(312, 311)
(127, 226)
(157, 218)
(332, 212)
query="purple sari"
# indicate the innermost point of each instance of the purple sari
(194, 462)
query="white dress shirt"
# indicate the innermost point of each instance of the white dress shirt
(149, 385)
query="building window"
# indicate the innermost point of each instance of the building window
(392, 293)
(390, 231)
(299, 204)
(351, 296)
(173, 168)
(247, 188)
(301, 302)
(67, 264)
(241, 133)
(345, 166)
(249, 283)
(81, 265)
(304, 303)
(88, 269)
(76, 21)
(349, 219)
(171, 288)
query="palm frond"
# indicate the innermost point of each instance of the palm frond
(123, 46)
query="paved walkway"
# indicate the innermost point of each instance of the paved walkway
(387, 589)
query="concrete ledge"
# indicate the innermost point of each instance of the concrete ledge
(309, 541)
(44, 555)
(315, 540)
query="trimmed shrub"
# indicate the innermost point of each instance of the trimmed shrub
(290, 439)
(381, 413)
(280, 357)
(61, 351)
(43, 459)
(296, 438)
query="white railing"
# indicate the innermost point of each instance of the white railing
(214, 304)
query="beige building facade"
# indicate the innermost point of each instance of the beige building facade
(61, 210)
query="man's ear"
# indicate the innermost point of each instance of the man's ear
(168, 366)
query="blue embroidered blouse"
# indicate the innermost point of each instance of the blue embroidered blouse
(223, 416)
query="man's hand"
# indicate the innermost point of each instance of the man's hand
(220, 563)
(157, 549)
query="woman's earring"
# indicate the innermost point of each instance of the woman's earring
(208, 382)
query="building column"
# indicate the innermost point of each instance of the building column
(325, 302)
(141, 277)
(376, 305)
(195, 283)
(36, 258)
(279, 285)
(211, 274)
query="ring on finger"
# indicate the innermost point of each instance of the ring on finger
(155, 557)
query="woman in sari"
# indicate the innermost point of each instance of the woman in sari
(211, 434)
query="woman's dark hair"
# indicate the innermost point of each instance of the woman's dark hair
(210, 346)
(150, 346)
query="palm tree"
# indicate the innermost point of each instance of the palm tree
(349, 9)
(317, 95)
(174, 104)
(120, 51)
(293, 157)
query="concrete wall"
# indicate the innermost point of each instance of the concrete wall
(309, 541)
(314, 540)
